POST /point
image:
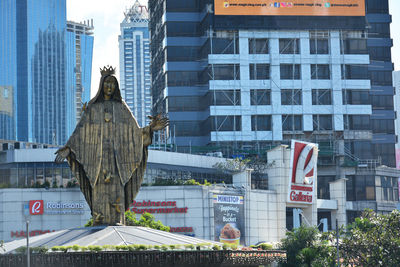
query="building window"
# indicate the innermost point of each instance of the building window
(222, 46)
(357, 122)
(259, 71)
(260, 97)
(322, 122)
(292, 123)
(380, 53)
(387, 188)
(226, 71)
(182, 53)
(323, 186)
(381, 78)
(258, 46)
(290, 71)
(291, 97)
(356, 97)
(360, 187)
(226, 123)
(179, 28)
(225, 97)
(289, 46)
(186, 103)
(379, 30)
(261, 122)
(182, 78)
(354, 46)
(321, 97)
(5, 93)
(376, 6)
(386, 152)
(360, 149)
(188, 128)
(382, 126)
(320, 72)
(382, 101)
(354, 72)
(319, 46)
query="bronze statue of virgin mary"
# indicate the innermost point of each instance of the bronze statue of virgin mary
(107, 152)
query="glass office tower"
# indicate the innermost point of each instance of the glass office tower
(79, 69)
(134, 57)
(32, 69)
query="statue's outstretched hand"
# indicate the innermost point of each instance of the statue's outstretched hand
(62, 154)
(158, 122)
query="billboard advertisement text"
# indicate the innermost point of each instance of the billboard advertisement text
(229, 219)
(292, 8)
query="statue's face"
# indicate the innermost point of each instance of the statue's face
(109, 87)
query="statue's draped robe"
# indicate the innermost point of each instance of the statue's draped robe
(108, 157)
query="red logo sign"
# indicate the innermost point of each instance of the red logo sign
(303, 172)
(35, 207)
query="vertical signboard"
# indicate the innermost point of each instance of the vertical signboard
(229, 219)
(303, 172)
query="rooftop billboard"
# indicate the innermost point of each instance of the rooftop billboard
(293, 8)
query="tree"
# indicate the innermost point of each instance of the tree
(372, 240)
(305, 246)
(146, 220)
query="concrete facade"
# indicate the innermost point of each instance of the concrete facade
(15, 211)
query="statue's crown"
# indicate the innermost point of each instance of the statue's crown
(107, 70)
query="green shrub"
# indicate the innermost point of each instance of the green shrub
(189, 246)
(95, 248)
(216, 247)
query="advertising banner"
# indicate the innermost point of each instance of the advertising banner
(229, 219)
(292, 8)
(303, 172)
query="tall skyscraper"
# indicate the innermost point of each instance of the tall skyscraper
(242, 81)
(33, 71)
(134, 57)
(396, 84)
(79, 69)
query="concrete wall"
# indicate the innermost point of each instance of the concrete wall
(13, 218)
(261, 208)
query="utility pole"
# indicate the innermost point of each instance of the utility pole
(337, 243)
(28, 262)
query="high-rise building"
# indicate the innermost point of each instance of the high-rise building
(79, 69)
(241, 82)
(33, 67)
(134, 57)
(33, 71)
(243, 79)
(396, 84)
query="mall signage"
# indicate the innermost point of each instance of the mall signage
(303, 172)
(229, 219)
(290, 8)
(38, 207)
(150, 206)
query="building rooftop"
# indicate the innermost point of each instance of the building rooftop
(105, 235)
